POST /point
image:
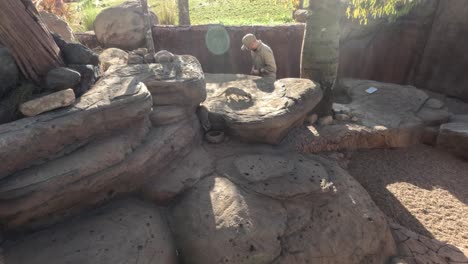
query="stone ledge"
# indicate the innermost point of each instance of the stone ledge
(392, 116)
(256, 110)
(180, 82)
(113, 103)
(37, 202)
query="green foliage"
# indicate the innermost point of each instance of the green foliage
(362, 10)
(167, 12)
(58, 8)
(240, 12)
(88, 16)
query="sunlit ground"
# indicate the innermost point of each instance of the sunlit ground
(421, 188)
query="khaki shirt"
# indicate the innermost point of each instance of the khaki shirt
(264, 61)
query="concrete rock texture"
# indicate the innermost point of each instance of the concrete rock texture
(237, 216)
(58, 26)
(102, 146)
(112, 56)
(135, 132)
(392, 116)
(122, 26)
(414, 248)
(257, 110)
(126, 231)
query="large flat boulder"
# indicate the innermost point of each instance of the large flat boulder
(391, 116)
(127, 231)
(263, 206)
(390, 106)
(255, 109)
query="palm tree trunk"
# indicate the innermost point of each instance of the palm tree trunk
(184, 16)
(28, 39)
(149, 31)
(319, 58)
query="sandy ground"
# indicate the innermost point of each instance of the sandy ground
(421, 188)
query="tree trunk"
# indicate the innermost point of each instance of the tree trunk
(149, 31)
(184, 16)
(301, 4)
(28, 39)
(319, 58)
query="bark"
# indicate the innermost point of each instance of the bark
(319, 58)
(28, 39)
(149, 31)
(301, 4)
(184, 15)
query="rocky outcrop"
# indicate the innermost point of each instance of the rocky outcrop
(255, 109)
(82, 121)
(180, 176)
(122, 26)
(58, 26)
(127, 231)
(266, 207)
(101, 146)
(392, 116)
(237, 227)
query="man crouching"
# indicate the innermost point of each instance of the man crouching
(263, 60)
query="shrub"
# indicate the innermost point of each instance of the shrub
(167, 12)
(88, 16)
(57, 7)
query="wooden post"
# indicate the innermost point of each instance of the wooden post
(149, 31)
(28, 39)
(184, 15)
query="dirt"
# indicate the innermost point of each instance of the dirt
(421, 188)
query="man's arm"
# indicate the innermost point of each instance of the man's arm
(270, 64)
(254, 71)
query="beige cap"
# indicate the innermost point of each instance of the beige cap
(247, 40)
